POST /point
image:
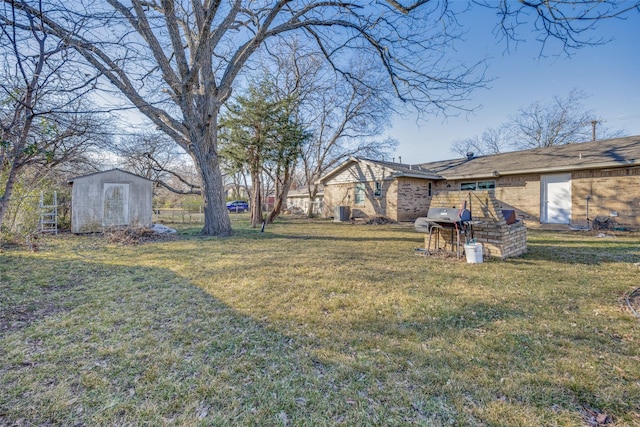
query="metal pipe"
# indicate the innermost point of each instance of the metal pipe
(588, 220)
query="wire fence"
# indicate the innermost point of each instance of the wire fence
(177, 215)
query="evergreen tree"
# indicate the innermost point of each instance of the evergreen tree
(259, 132)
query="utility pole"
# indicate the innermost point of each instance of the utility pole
(593, 129)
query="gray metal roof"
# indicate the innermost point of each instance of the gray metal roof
(70, 181)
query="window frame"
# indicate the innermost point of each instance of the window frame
(377, 190)
(359, 193)
(486, 185)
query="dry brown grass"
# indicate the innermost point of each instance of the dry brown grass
(316, 323)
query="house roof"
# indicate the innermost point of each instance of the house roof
(603, 154)
(107, 171)
(608, 153)
(404, 170)
(397, 169)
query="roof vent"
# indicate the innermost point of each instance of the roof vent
(470, 155)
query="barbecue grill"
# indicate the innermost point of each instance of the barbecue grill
(458, 221)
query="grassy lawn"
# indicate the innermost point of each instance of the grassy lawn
(315, 323)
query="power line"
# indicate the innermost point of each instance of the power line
(625, 117)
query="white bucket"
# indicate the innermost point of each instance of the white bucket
(473, 252)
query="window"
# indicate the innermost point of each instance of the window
(479, 185)
(486, 185)
(430, 190)
(467, 186)
(378, 190)
(359, 194)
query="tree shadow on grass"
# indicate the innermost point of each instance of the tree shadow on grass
(125, 344)
(96, 344)
(572, 247)
(107, 344)
(592, 253)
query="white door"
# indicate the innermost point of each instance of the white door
(556, 199)
(116, 205)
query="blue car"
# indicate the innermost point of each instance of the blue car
(237, 206)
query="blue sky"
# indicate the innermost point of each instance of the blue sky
(608, 74)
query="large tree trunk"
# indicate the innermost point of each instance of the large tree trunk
(4, 207)
(216, 217)
(256, 198)
(6, 195)
(205, 156)
(313, 193)
(282, 190)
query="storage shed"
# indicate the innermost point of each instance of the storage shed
(112, 198)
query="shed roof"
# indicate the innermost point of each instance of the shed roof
(107, 171)
(608, 153)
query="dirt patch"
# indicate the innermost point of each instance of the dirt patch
(136, 236)
(595, 417)
(48, 301)
(441, 254)
(375, 220)
(24, 315)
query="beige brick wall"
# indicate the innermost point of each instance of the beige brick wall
(412, 198)
(344, 195)
(611, 191)
(337, 195)
(519, 192)
(405, 199)
(362, 171)
(390, 199)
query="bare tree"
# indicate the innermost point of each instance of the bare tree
(156, 157)
(541, 124)
(42, 122)
(344, 115)
(347, 119)
(561, 121)
(178, 61)
(492, 141)
(567, 23)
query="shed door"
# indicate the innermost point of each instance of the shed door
(556, 199)
(116, 205)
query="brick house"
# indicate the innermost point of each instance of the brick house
(369, 187)
(570, 184)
